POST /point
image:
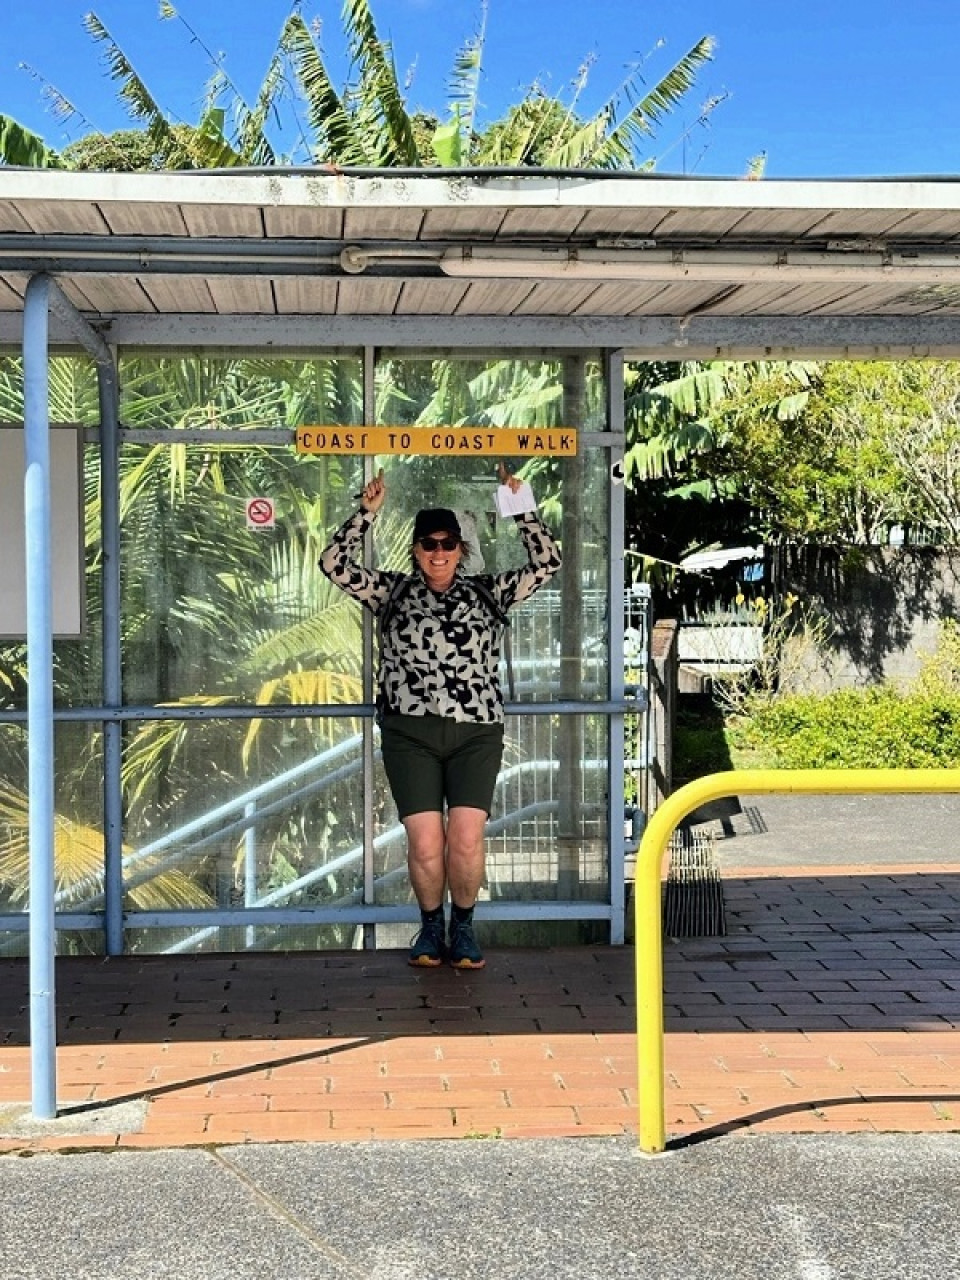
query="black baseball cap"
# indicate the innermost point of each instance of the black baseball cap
(436, 520)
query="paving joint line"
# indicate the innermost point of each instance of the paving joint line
(282, 1211)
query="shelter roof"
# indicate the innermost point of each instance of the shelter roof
(630, 260)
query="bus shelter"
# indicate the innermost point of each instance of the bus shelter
(202, 370)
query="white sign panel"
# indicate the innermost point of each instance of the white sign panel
(261, 513)
(66, 532)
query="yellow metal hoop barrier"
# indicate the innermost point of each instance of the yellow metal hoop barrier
(651, 1122)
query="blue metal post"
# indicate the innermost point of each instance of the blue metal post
(369, 658)
(112, 677)
(36, 492)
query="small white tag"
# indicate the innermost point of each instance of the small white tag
(515, 504)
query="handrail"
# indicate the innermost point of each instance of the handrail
(205, 821)
(382, 841)
(648, 925)
(250, 814)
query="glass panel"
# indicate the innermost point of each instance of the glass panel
(237, 390)
(548, 835)
(216, 611)
(550, 840)
(78, 804)
(549, 832)
(227, 814)
(212, 609)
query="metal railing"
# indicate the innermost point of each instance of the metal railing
(651, 1102)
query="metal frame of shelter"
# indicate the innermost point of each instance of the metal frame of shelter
(632, 266)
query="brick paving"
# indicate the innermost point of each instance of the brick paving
(831, 1004)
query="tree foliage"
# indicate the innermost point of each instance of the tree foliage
(896, 425)
(841, 452)
(368, 121)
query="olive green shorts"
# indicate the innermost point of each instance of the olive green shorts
(432, 761)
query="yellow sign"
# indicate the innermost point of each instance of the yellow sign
(507, 442)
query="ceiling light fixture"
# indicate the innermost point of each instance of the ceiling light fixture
(702, 265)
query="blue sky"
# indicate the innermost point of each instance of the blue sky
(829, 88)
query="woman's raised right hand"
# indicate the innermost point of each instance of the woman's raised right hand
(373, 495)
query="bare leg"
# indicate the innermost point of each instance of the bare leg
(465, 853)
(426, 841)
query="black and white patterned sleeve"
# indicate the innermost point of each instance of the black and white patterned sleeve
(543, 561)
(340, 561)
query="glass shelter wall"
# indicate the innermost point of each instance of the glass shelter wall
(255, 810)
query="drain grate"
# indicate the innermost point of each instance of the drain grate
(693, 902)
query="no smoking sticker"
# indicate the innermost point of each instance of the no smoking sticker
(261, 513)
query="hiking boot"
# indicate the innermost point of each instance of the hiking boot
(464, 952)
(429, 947)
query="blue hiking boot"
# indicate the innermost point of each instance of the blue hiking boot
(464, 952)
(429, 946)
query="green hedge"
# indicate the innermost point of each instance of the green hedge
(878, 728)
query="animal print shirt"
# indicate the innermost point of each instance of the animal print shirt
(440, 653)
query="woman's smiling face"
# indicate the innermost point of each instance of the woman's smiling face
(437, 558)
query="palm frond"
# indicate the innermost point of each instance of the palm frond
(659, 456)
(210, 146)
(380, 98)
(61, 108)
(464, 87)
(252, 146)
(333, 129)
(647, 107)
(695, 392)
(20, 146)
(331, 636)
(78, 861)
(304, 688)
(134, 93)
(255, 147)
(448, 142)
(581, 149)
(791, 407)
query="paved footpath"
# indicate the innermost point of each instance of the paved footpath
(832, 1004)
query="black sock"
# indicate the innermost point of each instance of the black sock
(460, 915)
(432, 917)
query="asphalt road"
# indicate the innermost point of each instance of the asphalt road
(802, 830)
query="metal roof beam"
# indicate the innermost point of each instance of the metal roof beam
(78, 329)
(702, 337)
(935, 334)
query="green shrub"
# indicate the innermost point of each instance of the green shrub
(876, 728)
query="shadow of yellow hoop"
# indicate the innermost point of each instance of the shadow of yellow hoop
(651, 1120)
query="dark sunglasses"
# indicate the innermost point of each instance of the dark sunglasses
(439, 544)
